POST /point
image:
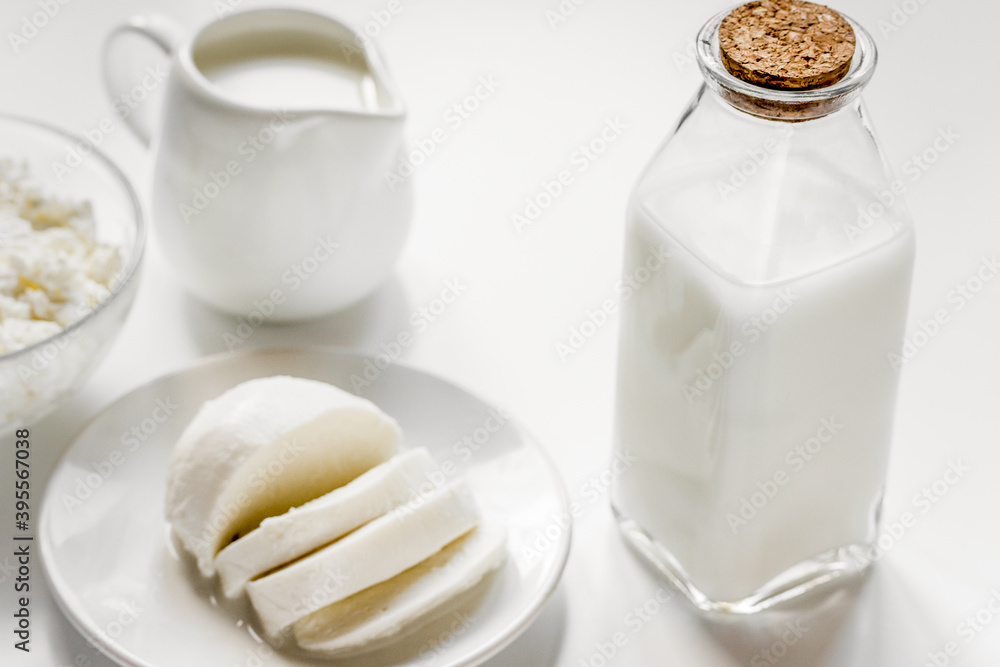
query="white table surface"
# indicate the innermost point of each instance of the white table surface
(629, 60)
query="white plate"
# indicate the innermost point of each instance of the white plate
(118, 577)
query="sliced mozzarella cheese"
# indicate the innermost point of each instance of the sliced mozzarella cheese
(373, 553)
(263, 447)
(303, 529)
(384, 609)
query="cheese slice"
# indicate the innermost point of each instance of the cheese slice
(263, 447)
(384, 609)
(303, 529)
(370, 555)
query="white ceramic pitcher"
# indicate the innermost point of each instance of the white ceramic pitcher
(264, 209)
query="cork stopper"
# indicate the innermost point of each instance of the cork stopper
(786, 44)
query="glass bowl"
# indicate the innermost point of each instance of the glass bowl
(34, 379)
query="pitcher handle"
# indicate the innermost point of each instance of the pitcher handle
(161, 31)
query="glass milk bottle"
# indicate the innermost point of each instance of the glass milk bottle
(756, 386)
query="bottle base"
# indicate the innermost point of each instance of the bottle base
(834, 566)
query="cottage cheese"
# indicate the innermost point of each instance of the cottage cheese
(53, 270)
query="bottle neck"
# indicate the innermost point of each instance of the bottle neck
(784, 105)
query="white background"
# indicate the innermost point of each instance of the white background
(624, 59)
